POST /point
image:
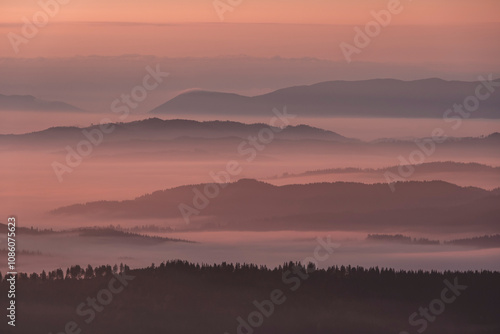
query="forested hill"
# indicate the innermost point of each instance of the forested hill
(180, 297)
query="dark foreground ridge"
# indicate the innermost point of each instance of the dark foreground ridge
(181, 297)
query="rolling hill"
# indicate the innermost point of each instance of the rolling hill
(253, 205)
(31, 103)
(428, 98)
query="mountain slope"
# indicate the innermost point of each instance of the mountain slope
(158, 129)
(250, 204)
(428, 98)
(31, 103)
(429, 167)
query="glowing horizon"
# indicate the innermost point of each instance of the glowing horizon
(425, 12)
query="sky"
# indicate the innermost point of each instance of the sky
(260, 11)
(293, 28)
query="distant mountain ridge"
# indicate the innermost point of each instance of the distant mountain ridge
(31, 103)
(427, 98)
(250, 204)
(429, 167)
(158, 129)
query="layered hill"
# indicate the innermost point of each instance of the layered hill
(31, 103)
(158, 129)
(428, 98)
(253, 205)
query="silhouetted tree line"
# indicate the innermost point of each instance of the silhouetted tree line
(5, 251)
(401, 239)
(74, 272)
(183, 297)
(483, 241)
(116, 232)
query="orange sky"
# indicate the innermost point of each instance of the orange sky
(275, 11)
(426, 31)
